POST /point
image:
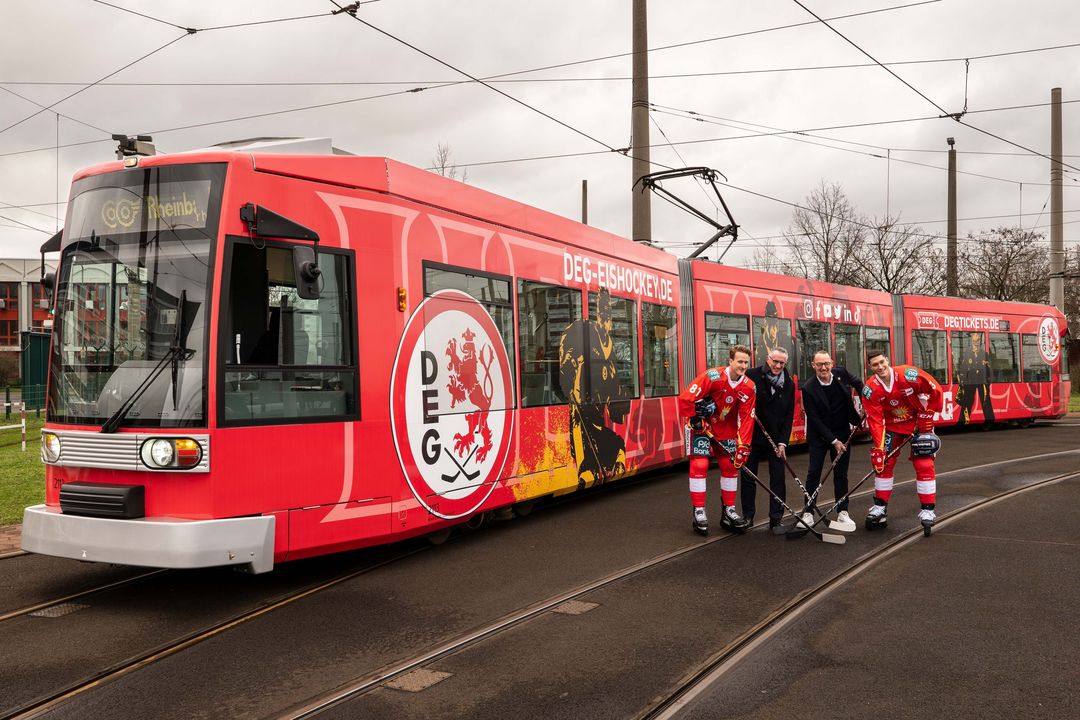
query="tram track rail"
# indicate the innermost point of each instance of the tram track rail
(45, 604)
(757, 636)
(343, 694)
(45, 703)
(363, 684)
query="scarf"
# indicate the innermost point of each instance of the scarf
(776, 382)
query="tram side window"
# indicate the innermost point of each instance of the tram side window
(1004, 358)
(849, 348)
(813, 336)
(544, 312)
(660, 342)
(1035, 368)
(287, 358)
(721, 333)
(928, 351)
(770, 332)
(877, 340)
(492, 291)
(623, 314)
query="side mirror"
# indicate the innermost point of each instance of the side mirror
(306, 271)
(48, 281)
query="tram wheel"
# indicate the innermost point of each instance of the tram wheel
(524, 509)
(438, 538)
(477, 521)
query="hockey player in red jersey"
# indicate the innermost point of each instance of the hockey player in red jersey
(719, 408)
(899, 402)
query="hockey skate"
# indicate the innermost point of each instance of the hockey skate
(700, 522)
(731, 521)
(843, 522)
(877, 518)
(927, 518)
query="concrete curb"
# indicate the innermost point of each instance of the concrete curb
(10, 538)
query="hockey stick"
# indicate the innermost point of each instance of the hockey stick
(776, 451)
(823, 537)
(865, 477)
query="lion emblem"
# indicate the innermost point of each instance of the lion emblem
(466, 384)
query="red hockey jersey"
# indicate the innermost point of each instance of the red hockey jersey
(734, 417)
(905, 405)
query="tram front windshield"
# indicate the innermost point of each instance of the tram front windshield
(132, 312)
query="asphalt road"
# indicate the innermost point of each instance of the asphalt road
(974, 618)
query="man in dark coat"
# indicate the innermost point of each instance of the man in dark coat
(775, 408)
(830, 416)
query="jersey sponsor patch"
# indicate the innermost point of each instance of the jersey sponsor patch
(701, 446)
(713, 374)
(744, 397)
(867, 392)
(911, 374)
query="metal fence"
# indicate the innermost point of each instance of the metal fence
(32, 396)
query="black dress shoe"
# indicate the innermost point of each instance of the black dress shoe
(776, 527)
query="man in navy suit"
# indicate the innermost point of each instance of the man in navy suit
(830, 417)
(775, 408)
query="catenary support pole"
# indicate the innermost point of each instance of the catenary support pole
(1057, 245)
(952, 285)
(641, 210)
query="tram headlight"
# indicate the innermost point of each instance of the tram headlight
(161, 453)
(50, 447)
(171, 453)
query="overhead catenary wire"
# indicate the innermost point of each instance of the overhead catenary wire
(250, 23)
(944, 112)
(345, 9)
(191, 30)
(510, 79)
(789, 135)
(114, 72)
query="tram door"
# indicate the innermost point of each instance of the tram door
(287, 371)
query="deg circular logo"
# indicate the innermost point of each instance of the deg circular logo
(451, 404)
(1049, 340)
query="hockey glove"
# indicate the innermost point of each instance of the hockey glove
(925, 445)
(742, 454)
(924, 422)
(697, 425)
(705, 408)
(877, 459)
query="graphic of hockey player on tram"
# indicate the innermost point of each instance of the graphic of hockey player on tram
(588, 376)
(771, 333)
(972, 376)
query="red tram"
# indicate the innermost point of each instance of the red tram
(264, 357)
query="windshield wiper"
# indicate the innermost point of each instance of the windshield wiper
(174, 355)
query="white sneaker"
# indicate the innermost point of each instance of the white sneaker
(807, 518)
(927, 515)
(843, 522)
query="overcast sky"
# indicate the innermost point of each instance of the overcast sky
(52, 50)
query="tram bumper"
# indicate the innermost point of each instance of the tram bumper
(151, 542)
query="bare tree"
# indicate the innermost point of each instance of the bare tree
(899, 259)
(825, 235)
(1005, 263)
(443, 164)
(769, 260)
